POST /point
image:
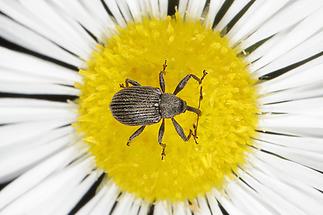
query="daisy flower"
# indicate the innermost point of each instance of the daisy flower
(257, 147)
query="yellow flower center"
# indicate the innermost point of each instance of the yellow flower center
(228, 109)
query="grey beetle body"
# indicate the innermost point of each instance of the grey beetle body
(144, 105)
(137, 105)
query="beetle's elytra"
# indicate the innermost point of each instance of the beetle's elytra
(138, 105)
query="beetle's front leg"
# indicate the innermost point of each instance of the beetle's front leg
(184, 81)
(161, 77)
(128, 82)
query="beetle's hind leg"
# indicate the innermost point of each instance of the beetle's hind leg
(160, 138)
(128, 82)
(135, 134)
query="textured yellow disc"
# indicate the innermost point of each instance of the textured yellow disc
(228, 109)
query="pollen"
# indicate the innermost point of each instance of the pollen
(226, 126)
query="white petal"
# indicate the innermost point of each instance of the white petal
(36, 88)
(27, 130)
(13, 110)
(233, 10)
(306, 74)
(181, 208)
(241, 193)
(61, 24)
(16, 76)
(243, 205)
(105, 204)
(162, 208)
(124, 204)
(41, 139)
(308, 107)
(123, 7)
(15, 10)
(289, 169)
(37, 174)
(309, 48)
(182, 7)
(296, 36)
(44, 191)
(163, 6)
(290, 121)
(88, 208)
(24, 37)
(245, 26)
(282, 205)
(135, 207)
(97, 10)
(27, 64)
(68, 202)
(154, 8)
(144, 208)
(13, 164)
(75, 9)
(203, 206)
(263, 49)
(304, 143)
(311, 159)
(214, 7)
(135, 10)
(22, 103)
(25, 114)
(285, 18)
(195, 8)
(227, 204)
(256, 5)
(113, 7)
(214, 206)
(304, 92)
(296, 196)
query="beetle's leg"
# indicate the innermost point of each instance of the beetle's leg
(160, 138)
(195, 126)
(128, 82)
(180, 131)
(135, 134)
(161, 77)
(184, 81)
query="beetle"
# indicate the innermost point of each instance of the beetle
(138, 105)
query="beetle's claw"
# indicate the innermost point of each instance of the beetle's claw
(163, 154)
(122, 85)
(128, 143)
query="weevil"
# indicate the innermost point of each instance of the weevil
(138, 105)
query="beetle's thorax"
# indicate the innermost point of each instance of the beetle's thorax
(170, 105)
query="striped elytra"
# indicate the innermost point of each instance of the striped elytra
(136, 105)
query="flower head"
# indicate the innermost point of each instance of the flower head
(256, 147)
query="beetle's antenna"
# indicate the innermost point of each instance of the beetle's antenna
(195, 126)
(161, 77)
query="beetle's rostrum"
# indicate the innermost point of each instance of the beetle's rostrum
(138, 105)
